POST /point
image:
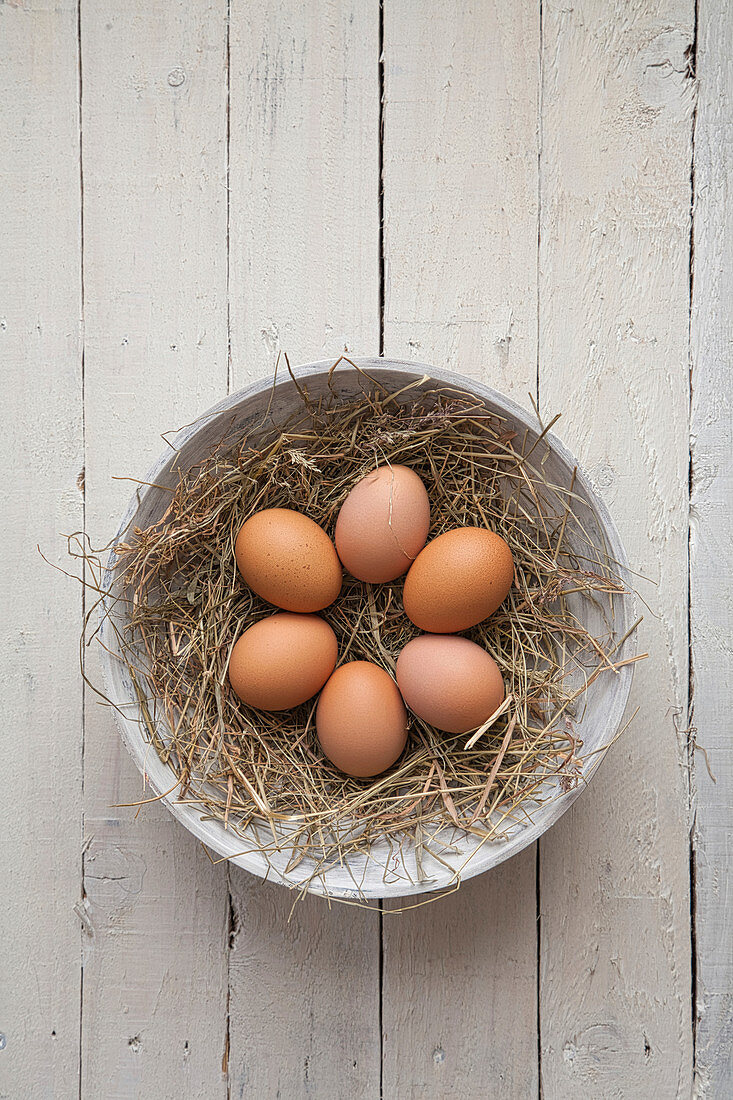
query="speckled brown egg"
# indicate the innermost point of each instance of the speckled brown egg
(288, 560)
(449, 682)
(383, 524)
(282, 661)
(361, 720)
(459, 579)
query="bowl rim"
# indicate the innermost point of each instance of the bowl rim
(209, 832)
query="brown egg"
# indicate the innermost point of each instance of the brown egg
(451, 683)
(288, 560)
(460, 578)
(383, 524)
(361, 719)
(281, 661)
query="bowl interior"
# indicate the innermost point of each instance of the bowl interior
(384, 872)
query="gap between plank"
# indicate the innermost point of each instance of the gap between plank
(380, 207)
(539, 931)
(380, 1012)
(82, 866)
(227, 65)
(230, 915)
(537, 398)
(380, 175)
(539, 197)
(691, 56)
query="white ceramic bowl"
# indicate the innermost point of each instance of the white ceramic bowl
(383, 873)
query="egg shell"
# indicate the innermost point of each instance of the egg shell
(383, 524)
(282, 661)
(288, 560)
(459, 579)
(449, 682)
(361, 720)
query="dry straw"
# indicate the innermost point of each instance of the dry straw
(180, 606)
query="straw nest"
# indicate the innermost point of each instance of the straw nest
(184, 605)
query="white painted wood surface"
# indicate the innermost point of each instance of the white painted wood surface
(615, 976)
(304, 182)
(155, 302)
(42, 455)
(231, 157)
(711, 536)
(461, 188)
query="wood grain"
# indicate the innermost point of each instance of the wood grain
(617, 102)
(154, 157)
(304, 182)
(460, 255)
(711, 536)
(41, 449)
(460, 188)
(460, 987)
(304, 278)
(304, 1007)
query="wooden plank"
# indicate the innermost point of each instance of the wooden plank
(460, 986)
(711, 535)
(304, 182)
(460, 250)
(617, 102)
(40, 350)
(304, 277)
(155, 245)
(460, 188)
(304, 1008)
